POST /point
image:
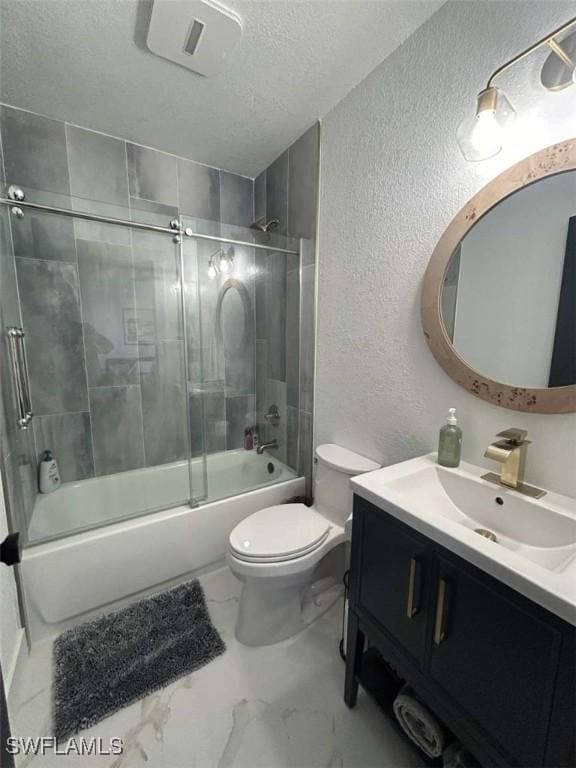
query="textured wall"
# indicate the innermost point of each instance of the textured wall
(296, 61)
(392, 178)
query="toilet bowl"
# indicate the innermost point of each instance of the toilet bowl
(291, 558)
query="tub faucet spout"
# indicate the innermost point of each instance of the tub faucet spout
(261, 448)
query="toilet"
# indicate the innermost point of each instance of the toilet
(291, 558)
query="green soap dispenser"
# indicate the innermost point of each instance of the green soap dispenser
(450, 441)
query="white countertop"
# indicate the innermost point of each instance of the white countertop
(554, 589)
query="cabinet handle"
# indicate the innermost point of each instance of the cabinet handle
(413, 579)
(439, 623)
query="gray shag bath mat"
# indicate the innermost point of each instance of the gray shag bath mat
(106, 664)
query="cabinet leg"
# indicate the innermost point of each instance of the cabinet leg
(354, 649)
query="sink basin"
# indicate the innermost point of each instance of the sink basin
(536, 530)
(529, 544)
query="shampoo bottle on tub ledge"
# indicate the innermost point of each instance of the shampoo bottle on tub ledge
(49, 475)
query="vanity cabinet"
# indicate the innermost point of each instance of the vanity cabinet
(496, 668)
(397, 558)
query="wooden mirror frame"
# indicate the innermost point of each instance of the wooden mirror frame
(548, 162)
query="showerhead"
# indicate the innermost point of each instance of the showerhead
(265, 225)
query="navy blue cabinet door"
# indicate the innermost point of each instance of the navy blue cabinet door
(392, 588)
(498, 661)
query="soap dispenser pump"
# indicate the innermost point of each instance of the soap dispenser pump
(450, 442)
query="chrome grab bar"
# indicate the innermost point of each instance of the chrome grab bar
(20, 376)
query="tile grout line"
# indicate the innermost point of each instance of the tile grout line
(286, 307)
(254, 367)
(59, 414)
(149, 200)
(264, 384)
(133, 259)
(316, 287)
(112, 386)
(81, 308)
(49, 261)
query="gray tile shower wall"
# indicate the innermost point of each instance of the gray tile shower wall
(51, 317)
(162, 385)
(236, 200)
(285, 300)
(99, 305)
(222, 366)
(303, 184)
(107, 287)
(199, 188)
(103, 318)
(117, 429)
(36, 159)
(69, 436)
(152, 175)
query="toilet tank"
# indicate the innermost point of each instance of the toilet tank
(332, 492)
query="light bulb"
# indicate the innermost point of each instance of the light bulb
(212, 271)
(481, 135)
(224, 264)
(486, 136)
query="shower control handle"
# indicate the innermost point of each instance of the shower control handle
(273, 416)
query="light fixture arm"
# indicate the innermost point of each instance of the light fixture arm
(549, 40)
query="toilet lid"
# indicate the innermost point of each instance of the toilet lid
(281, 532)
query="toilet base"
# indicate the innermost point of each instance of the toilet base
(273, 609)
(267, 616)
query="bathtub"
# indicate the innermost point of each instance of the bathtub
(89, 572)
(101, 500)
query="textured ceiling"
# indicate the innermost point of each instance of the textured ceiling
(85, 61)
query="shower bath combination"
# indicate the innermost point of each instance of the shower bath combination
(159, 350)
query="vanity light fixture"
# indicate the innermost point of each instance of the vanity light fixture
(480, 136)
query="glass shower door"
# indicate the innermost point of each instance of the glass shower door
(101, 307)
(242, 300)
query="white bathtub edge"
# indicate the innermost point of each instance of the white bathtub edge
(87, 574)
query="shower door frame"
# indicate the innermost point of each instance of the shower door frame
(175, 227)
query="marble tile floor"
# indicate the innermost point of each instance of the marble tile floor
(279, 706)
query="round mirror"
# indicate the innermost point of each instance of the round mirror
(232, 316)
(499, 295)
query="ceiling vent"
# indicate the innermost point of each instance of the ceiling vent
(197, 34)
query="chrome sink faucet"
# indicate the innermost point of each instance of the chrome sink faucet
(510, 451)
(261, 448)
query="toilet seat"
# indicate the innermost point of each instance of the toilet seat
(278, 534)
